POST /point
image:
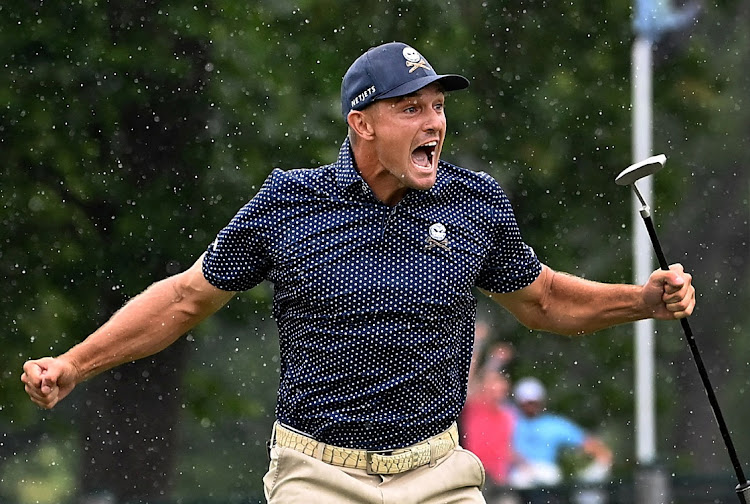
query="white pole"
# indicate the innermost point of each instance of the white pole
(645, 418)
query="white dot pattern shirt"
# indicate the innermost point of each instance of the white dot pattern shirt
(374, 303)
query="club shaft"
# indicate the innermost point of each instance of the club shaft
(701, 368)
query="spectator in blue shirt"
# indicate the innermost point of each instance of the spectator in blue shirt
(540, 437)
(373, 259)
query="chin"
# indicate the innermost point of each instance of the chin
(423, 184)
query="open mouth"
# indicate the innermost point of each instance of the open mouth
(422, 156)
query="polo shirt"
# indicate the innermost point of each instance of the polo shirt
(541, 438)
(374, 303)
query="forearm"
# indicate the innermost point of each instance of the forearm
(573, 305)
(147, 324)
(564, 304)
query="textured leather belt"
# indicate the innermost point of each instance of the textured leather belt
(374, 462)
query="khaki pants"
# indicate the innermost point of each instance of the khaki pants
(294, 478)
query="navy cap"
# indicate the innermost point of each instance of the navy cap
(387, 71)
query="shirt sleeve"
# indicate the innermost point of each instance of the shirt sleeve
(239, 257)
(511, 264)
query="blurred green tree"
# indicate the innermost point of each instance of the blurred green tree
(132, 131)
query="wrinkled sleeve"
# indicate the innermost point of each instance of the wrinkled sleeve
(239, 258)
(511, 264)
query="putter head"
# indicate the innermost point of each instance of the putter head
(644, 168)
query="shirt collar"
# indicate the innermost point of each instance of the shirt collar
(344, 168)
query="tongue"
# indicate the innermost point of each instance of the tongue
(420, 158)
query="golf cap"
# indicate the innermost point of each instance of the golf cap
(529, 390)
(387, 71)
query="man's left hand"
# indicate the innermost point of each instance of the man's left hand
(670, 294)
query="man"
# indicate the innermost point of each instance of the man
(539, 438)
(373, 260)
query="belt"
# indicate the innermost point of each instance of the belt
(374, 462)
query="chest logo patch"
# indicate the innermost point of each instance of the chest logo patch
(437, 232)
(437, 237)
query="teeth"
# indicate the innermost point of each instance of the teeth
(430, 144)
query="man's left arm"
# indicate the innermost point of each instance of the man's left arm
(566, 304)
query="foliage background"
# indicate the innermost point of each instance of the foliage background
(131, 132)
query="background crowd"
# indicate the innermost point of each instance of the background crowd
(520, 442)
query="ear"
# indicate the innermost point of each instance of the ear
(361, 122)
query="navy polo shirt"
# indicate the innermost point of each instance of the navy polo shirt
(374, 303)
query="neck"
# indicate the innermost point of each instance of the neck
(382, 183)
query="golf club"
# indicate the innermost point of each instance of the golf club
(630, 176)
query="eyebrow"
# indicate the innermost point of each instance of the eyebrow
(416, 94)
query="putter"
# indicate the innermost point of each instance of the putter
(629, 177)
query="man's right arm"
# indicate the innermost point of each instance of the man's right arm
(147, 324)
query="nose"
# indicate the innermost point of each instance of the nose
(434, 120)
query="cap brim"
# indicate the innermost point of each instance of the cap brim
(450, 82)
